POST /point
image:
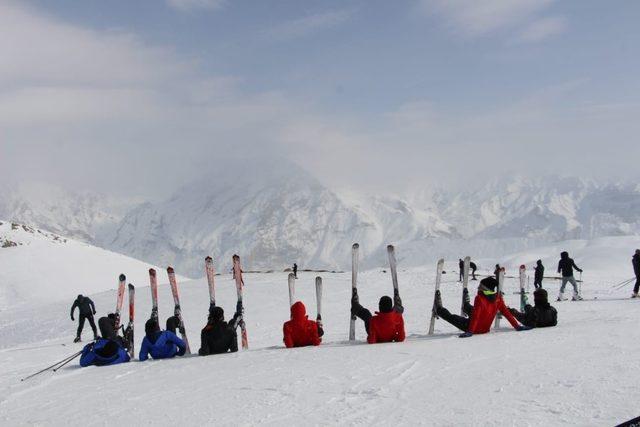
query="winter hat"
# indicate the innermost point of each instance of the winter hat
(151, 327)
(638, 252)
(79, 296)
(489, 284)
(540, 296)
(564, 254)
(216, 313)
(385, 305)
(539, 262)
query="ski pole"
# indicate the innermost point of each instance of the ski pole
(65, 360)
(68, 360)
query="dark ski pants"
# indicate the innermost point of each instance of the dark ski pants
(81, 320)
(459, 322)
(364, 314)
(537, 284)
(637, 285)
(473, 274)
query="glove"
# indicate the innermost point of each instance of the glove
(524, 328)
(465, 335)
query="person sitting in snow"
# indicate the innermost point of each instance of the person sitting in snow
(161, 344)
(103, 352)
(300, 331)
(387, 325)
(219, 336)
(541, 315)
(481, 313)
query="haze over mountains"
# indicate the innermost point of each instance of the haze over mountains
(275, 213)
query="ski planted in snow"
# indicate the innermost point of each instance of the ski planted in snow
(120, 300)
(128, 335)
(391, 251)
(210, 271)
(153, 286)
(177, 310)
(496, 324)
(465, 282)
(354, 288)
(237, 275)
(292, 288)
(523, 279)
(319, 300)
(439, 268)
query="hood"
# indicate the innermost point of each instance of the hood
(540, 297)
(564, 255)
(298, 311)
(539, 262)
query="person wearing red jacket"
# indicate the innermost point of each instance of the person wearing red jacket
(300, 331)
(387, 325)
(481, 314)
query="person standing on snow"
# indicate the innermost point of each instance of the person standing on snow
(636, 269)
(219, 336)
(473, 267)
(538, 275)
(387, 325)
(566, 266)
(295, 270)
(86, 310)
(461, 268)
(496, 272)
(481, 313)
(541, 315)
(161, 344)
(300, 331)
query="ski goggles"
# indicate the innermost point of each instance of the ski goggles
(488, 292)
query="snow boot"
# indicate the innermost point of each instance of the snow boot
(355, 303)
(397, 301)
(576, 298)
(561, 298)
(77, 339)
(437, 302)
(634, 295)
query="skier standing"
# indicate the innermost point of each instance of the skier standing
(473, 267)
(566, 266)
(538, 275)
(161, 344)
(461, 268)
(636, 269)
(219, 336)
(295, 270)
(496, 272)
(541, 315)
(300, 331)
(86, 310)
(387, 325)
(481, 313)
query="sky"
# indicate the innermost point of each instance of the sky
(137, 98)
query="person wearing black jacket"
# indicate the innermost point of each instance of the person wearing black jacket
(636, 269)
(539, 275)
(86, 309)
(566, 266)
(219, 336)
(473, 267)
(541, 315)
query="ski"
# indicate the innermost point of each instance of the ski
(153, 286)
(120, 300)
(237, 275)
(496, 323)
(129, 331)
(177, 311)
(391, 251)
(210, 271)
(465, 282)
(523, 279)
(319, 300)
(292, 288)
(354, 288)
(439, 269)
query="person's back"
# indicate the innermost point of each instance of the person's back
(218, 336)
(160, 344)
(300, 331)
(103, 352)
(485, 307)
(386, 327)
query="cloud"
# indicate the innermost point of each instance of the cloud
(474, 18)
(308, 25)
(189, 5)
(542, 29)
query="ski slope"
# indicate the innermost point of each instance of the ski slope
(579, 373)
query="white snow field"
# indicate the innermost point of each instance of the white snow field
(582, 372)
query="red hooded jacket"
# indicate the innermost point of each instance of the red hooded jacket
(485, 310)
(300, 331)
(386, 327)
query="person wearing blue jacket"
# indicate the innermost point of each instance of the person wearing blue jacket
(160, 344)
(103, 352)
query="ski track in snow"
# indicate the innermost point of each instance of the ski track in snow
(579, 373)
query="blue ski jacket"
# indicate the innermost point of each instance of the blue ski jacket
(163, 345)
(103, 352)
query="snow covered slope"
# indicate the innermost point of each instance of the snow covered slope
(579, 373)
(36, 265)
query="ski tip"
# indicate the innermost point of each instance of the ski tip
(235, 257)
(522, 267)
(291, 276)
(131, 287)
(355, 246)
(170, 270)
(122, 278)
(318, 279)
(208, 259)
(440, 261)
(390, 248)
(152, 272)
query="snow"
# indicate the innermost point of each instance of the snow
(579, 373)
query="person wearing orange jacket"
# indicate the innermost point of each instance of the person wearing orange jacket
(387, 325)
(300, 331)
(481, 314)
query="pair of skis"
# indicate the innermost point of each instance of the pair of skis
(128, 332)
(291, 279)
(355, 249)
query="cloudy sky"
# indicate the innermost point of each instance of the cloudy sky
(138, 97)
